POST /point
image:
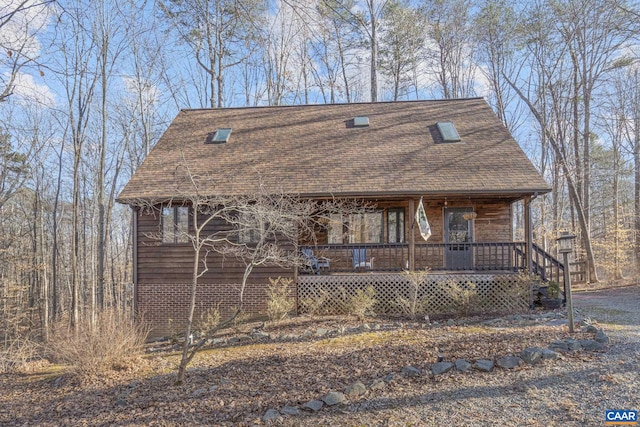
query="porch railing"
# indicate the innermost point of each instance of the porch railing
(476, 256)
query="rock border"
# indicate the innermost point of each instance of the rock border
(528, 356)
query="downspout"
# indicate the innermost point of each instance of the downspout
(134, 231)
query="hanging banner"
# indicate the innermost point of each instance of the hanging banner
(423, 224)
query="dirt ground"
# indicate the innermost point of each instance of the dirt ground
(237, 384)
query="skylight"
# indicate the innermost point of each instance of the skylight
(220, 136)
(360, 121)
(448, 132)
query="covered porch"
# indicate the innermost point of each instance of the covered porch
(395, 257)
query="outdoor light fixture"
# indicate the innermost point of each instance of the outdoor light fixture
(565, 247)
(565, 242)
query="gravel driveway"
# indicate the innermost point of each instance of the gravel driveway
(574, 391)
(618, 310)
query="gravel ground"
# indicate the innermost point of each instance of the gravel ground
(571, 392)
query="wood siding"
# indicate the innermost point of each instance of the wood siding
(164, 263)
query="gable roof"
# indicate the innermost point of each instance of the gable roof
(315, 151)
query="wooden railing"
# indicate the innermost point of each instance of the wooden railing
(476, 256)
(547, 266)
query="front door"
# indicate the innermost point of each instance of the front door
(458, 234)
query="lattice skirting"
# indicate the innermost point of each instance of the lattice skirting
(438, 293)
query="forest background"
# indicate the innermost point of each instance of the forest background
(88, 87)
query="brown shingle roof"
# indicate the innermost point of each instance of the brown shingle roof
(311, 150)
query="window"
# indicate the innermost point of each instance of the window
(359, 228)
(220, 136)
(361, 121)
(395, 225)
(248, 228)
(448, 132)
(175, 224)
(335, 229)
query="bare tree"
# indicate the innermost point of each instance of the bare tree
(402, 46)
(20, 22)
(449, 48)
(220, 34)
(259, 229)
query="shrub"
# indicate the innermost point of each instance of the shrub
(361, 304)
(207, 322)
(112, 343)
(280, 302)
(314, 305)
(413, 304)
(17, 353)
(463, 297)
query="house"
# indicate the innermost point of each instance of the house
(454, 155)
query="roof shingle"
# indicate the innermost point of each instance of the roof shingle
(312, 150)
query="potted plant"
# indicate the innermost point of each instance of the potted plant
(552, 299)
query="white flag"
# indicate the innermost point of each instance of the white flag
(423, 224)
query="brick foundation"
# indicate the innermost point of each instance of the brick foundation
(165, 306)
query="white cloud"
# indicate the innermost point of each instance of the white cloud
(18, 33)
(28, 91)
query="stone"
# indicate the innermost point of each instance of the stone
(356, 389)
(548, 354)
(378, 384)
(573, 344)
(410, 371)
(259, 335)
(313, 405)
(216, 341)
(484, 365)
(601, 337)
(389, 377)
(531, 355)
(289, 410)
(441, 367)
(270, 415)
(462, 365)
(376, 327)
(233, 340)
(559, 346)
(451, 322)
(320, 332)
(558, 322)
(589, 329)
(365, 327)
(508, 362)
(334, 398)
(591, 345)
(121, 402)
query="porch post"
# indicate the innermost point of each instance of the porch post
(528, 234)
(412, 235)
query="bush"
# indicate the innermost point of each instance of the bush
(112, 343)
(413, 304)
(17, 354)
(361, 304)
(280, 302)
(318, 303)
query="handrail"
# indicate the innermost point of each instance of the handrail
(469, 256)
(548, 267)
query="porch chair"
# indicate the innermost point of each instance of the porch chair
(313, 263)
(360, 259)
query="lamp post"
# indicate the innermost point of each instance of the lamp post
(565, 247)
